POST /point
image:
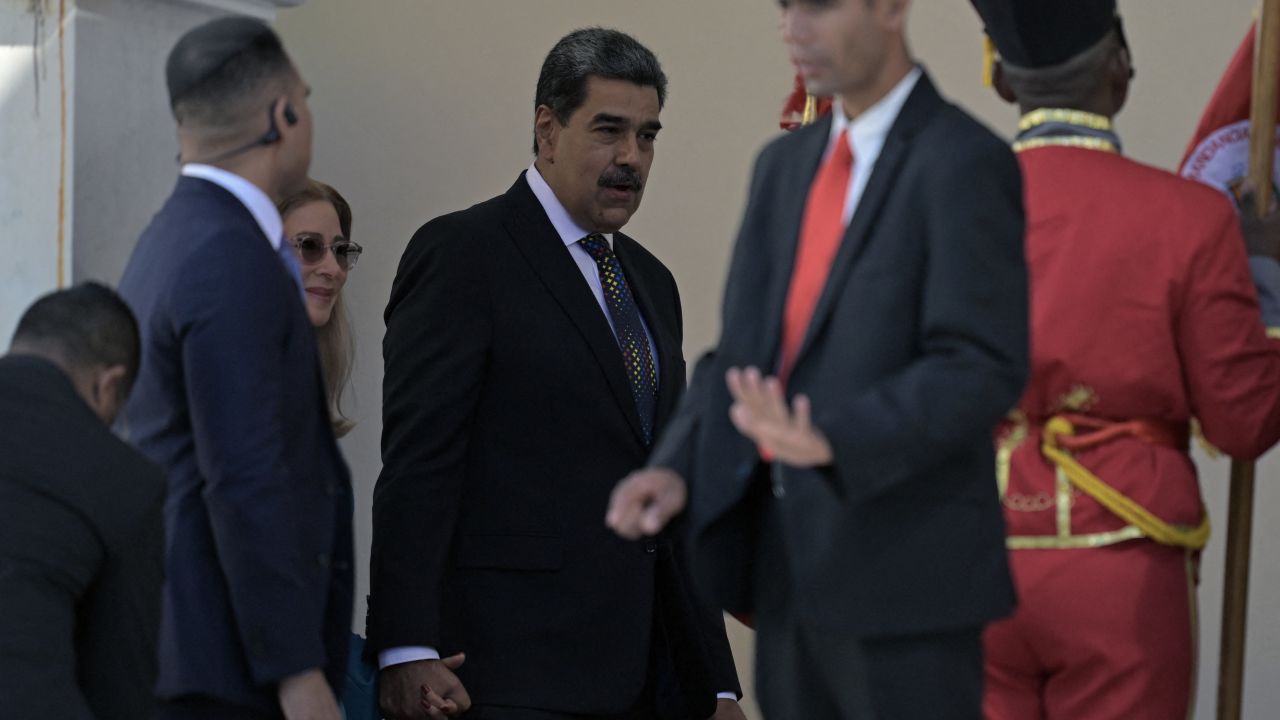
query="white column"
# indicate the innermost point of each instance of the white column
(36, 53)
(87, 144)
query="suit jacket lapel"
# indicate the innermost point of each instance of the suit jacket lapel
(668, 349)
(921, 104)
(793, 187)
(547, 255)
(204, 191)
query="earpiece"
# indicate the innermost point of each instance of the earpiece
(271, 137)
(273, 133)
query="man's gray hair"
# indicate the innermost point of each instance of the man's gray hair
(593, 52)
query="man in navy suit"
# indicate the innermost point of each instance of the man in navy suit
(257, 600)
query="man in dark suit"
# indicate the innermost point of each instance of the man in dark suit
(257, 599)
(874, 332)
(532, 353)
(81, 539)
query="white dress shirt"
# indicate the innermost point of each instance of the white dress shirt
(250, 195)
(570, 233)
(867, 133)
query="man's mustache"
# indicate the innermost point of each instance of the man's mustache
(623, 177)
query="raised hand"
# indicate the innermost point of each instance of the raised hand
(760, 412)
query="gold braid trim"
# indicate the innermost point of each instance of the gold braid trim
(1076, 141)
(1054, 542)
(810, 110)
(988, 61)
(1110, 498)
(1004, 449)
(1093, 121)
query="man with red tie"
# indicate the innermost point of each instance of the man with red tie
(834, 453)
(1143, 316)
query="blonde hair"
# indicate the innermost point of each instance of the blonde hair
(334, 340)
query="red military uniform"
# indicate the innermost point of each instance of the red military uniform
(1144, 316)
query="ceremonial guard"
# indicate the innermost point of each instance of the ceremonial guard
(1144, 319)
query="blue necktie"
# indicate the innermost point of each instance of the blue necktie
(629, 330)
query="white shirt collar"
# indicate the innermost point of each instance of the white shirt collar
(570, 232)
(250, 195)
(868, 131)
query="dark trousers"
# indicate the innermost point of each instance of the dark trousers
(197, 707)
(644, 707)
(803, 673)
(498, 712)
(644, 710)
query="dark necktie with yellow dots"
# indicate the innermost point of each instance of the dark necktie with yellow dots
(629, 330)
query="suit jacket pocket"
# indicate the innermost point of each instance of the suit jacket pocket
(510, 552)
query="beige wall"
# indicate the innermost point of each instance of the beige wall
(425, 106)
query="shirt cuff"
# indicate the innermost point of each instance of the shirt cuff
(1266, 277)
(401, 655)
(727, 696)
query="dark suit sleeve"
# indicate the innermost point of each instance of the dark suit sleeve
(748, 273)
(973, 330)
(234, 330)
(121, 615)
(724, 671)
(438, 329)
(674, 448)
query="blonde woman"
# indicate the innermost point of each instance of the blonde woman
(317, 222)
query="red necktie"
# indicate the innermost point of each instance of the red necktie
(820, 235)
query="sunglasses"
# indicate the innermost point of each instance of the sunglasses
(312, 249)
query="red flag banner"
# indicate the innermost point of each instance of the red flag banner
(1218, 154)
(793, 108)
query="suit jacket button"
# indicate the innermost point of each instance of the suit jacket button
(651, 546)
(323, 559)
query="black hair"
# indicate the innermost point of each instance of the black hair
(218, 72)
(85, 325)
(593, 52)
